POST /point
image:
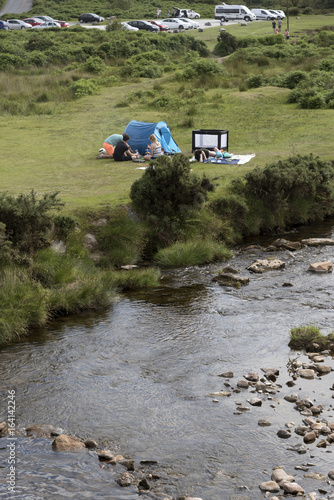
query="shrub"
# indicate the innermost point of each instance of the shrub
(83, 87)
(293, 78)
(227, 44)
(298, 189)
(254, 81)
(28, 219)
(168, 188)
(94, 65)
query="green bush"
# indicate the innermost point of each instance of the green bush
(298, 189)
(254, 81)
(169, 189)
(94, 65)
(83, 87)
(292, 79)
(28, 220)
(227, 44)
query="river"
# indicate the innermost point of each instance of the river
(138, 379)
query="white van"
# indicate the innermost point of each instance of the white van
(226, 12)
(263, 14)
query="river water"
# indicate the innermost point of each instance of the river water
(138, 379)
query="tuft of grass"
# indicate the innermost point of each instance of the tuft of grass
(136, 279)
(308, 337)
(192, 253)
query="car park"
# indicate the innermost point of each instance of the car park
(63, 24)
(192, 24)
(48, 24)
(17, 24)
(34, 21)
(3, 25)
(144, 25)
(174, 24)
(161, 26)
(279, 13)
(90, 18)
(264, 15)
(127, 26)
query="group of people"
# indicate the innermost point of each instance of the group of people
(116, 146)
(279, 28)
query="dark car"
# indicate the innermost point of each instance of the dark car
(3, 25)
(90, 18)
(144, 25)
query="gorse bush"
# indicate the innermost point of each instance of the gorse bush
(227, 44)
(169, 189)
(298, 189)
(28, 219)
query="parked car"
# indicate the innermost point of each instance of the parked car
(161, 26)
(3, 25)
(189, 13)
(263, 14)
(278, 13)
(44, 18)
(174, 24)
(127, 26)
(34, 21)
(90, 18)
(17, 24)
(192, 24)
(48, 24)
(144, 25)
(63, 24)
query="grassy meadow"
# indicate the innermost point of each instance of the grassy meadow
(58, 151)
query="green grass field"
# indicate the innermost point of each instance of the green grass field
(58, 152)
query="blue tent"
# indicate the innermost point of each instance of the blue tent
(139, 133)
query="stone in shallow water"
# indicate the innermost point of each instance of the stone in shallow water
(270, 486)
(321, 267)
(67, 443)
(255, 401)
(306, 373)
(279, 475)
(284, 433)
(263, 265)
(292, 488)
(264, 423)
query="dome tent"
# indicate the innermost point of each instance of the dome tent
(140, 132)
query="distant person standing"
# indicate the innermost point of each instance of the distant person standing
(274, 24)
(158, 13)
(287, 34)
(279, 24)
(167, 13)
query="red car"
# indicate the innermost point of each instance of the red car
(33, 21)
(160, 25)
(63, 24)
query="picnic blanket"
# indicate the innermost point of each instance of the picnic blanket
(234, 160)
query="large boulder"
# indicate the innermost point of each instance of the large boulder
(263, 265)
(67, 443)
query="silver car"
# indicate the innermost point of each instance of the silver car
(17, 24)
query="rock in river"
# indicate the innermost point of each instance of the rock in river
(263, 265)
(321, 267)
(67, 443)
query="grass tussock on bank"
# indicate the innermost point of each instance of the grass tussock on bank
(192, 253)
(310, 338)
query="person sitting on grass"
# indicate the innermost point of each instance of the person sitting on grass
(123, 151)
(154, 149)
